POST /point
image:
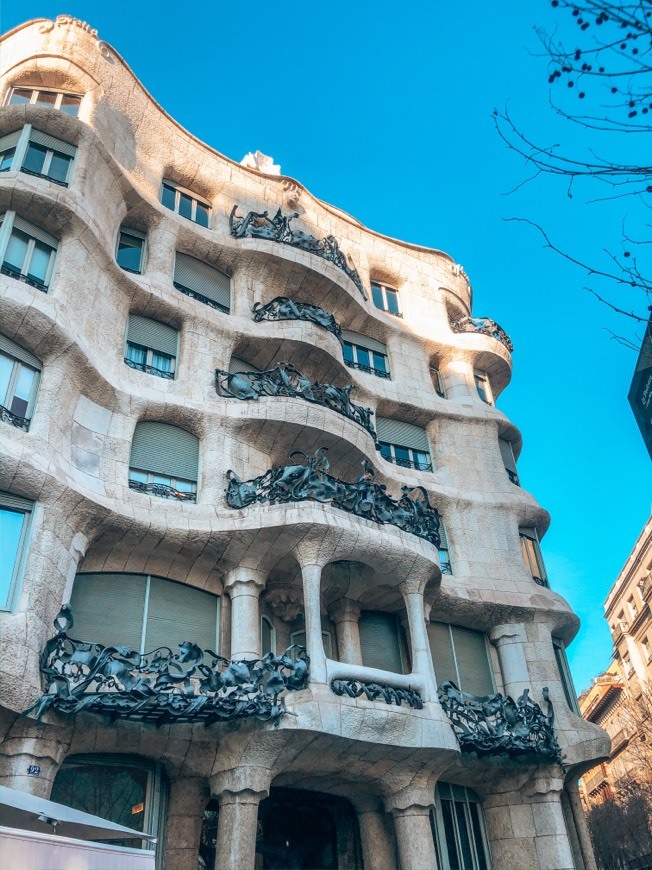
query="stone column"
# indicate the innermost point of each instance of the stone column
(414, 841)
(378, 849)
(188, 799)
(244, 586)
(459, 382)
(345, 613)
(581, 826)
(509, 640)
(412, 591)
(311, 577)
(239, 792)
(32, 754)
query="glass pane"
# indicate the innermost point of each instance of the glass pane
(421, 459)
(162, 361)
(6, 158)
(59, 166)
(35, 158)
(11, 526)
(482, 390)
(347, 351)
(385, 451)
(201, 215)
(184, 485)
(46, 98)
(168, 195)
(70, 105)
(463, 831)
(449, 833)
(392, 301)
(22, 391)
(402, 453)
(185, 206)
(163, 479)
(130, 251)
(363, 356)
(380, 362)
(20, 96)
(136, 353)
(477, 836)
(377, 294)
(140, 476)
(6, 368)
(266, 637)
(16, 249)
(40, 262)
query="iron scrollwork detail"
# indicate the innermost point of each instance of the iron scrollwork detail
(259, 225)
(310, 481)
(496, 724)
(284, 308)
(483, 325)
(160, 687)
(375, 691)
(286, 380)
(8, 416)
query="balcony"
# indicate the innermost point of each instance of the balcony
(150, 370)
(596, 779)
(484, 326)
(368, 369)
(8, 269)
(162, 491)
(8, 416)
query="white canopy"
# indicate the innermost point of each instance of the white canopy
(18, 809)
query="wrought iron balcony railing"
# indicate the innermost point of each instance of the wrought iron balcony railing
(150, 370)
(162, 686)
(284, 380)
(8, 416)
(46, 177)
(484, 325)
(193, 294)
(417, 464)
(258, 225)
(378, 691)
(513, 476)
(497, 724)
(411, 513)
(284, 308)
(8, 269)
(162, 490)
(368, 369)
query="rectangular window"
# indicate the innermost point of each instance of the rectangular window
(532, 555)
(29, 252)
(386, 299)
(15, 516)
(185, 203)
(199, 280)
(162, 485)
(380, 641)
(48, 158)
(483, 386)
(8, 146)
(374, 362)
(507, 454)
(299, 638)
(437, 382)
(151, 347)
(403, 444)
(130, 251)
(19, 376)
(68, 103)
(460, 655)
(566, 677)
(460, 837)
(444, 549)
(406, 457)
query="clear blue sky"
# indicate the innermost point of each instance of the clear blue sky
(384, 110)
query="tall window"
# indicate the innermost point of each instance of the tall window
(15, 515)
(483, 386)
(45, 156)
(532, 555)
(164, 461)
(185, 203)
(200, 281)
(151, 346)
(68, 103)
(19, 377)
(444, 549)
(267, 636)
(28, 252)
(386, 298)
(461, 656)
(437, 382)
(380, 641)
(366, 354)
(404, 444)
(566, 677)
(299, 637)
(507, 454)
(130, 250)
(458, 829)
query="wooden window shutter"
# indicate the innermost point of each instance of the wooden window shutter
(152, 334)
(178, 612)
(379, 641)
(164, 449)
(202, 278)
(108, 609)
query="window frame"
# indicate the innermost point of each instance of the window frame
(195, 199)
(384, 288)
(439, 830)
(538, 555)
(7, 222)
(326, 637)
(36, 91)
(5, 401)
(482, 376)
(171, 490)
(412, 462)
(272, 631)
(142, 238)
(437, 381)
(444, 547)
(148, 367)
(372, 370)
(565, 675)
(21, 148)
(9, 502)
(487, 649)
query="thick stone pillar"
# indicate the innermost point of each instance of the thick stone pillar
(188, 799)
(509, 640)
(376, 841)
(459, 382)
(244, 586)
(412, 591)
(414, 841)
(581, 827)
(239, 793)
(32, 755)
(311, 578)
(345, 613)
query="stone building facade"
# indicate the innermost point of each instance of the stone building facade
(175, 325)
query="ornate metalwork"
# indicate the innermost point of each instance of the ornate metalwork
(150, 370)
(286, 380)
(484, 325)
(46, 177)
(190, 685)
(8, 416)
(259, 225)
(193, 294)
(352, 364)
(162, 490)
(284, 308)
(8, 269)
(412, 512)
(496, 724)
(374, 691)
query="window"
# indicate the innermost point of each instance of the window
(444, 549)
(68, 103)
(386, 299)
(267, 636)
(565, 675)
(380, 641)
(8, 146)
(130, 251)
(532, 555)
(15, 516)
(366, 354)
(47, 157)
(647, 649)
(299, 637)
(507, 453)
(28, 252)
(19, 377)
(201, 281)
(185, 203)
(461, 656)
(627, 665)
(164, 461)
(151, 346)
(633, 609)
(483, 386)
(437, 382)
(458, 829)
(143, 612)
(403, 444)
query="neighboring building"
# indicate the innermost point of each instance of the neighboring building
(135, 262)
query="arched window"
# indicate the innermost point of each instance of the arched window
(164, 461)
(200, 281)
(380, 641)
(460, 838)
(461, 656)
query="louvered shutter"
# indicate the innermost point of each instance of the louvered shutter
(239, 365)
(202, 278)
(50, 142)
(443, 537)
(379, 641)
(108, 609)
(164, 449)
(10, 140)
(176, 613)
(364, 341)
(472, 661)
(9, 500)
(35, 232)
(152, 334)
(17, 352)
(441, 650)
(507, 453)
(129, 231)
(402, 434)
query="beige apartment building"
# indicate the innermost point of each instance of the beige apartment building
(236, 422)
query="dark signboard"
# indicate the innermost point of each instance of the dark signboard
(640, 392)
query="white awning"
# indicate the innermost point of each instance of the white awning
(18, 809)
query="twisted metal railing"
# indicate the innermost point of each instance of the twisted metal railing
(377, 691)
(8, 416)
(162, 490)
(284, 308)
(162, 686)
(411, 513)
(484, 325)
